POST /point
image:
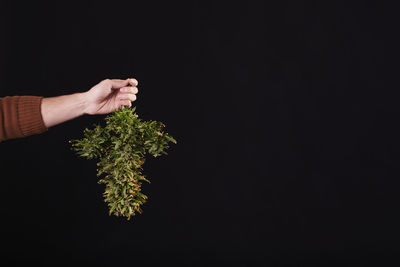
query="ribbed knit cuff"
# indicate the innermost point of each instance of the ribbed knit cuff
(30, 118)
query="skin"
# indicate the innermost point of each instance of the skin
(103, 98)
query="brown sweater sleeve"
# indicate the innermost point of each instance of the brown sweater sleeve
(20, 116)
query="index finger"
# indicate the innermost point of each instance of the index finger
(133, 82)
(117, 83)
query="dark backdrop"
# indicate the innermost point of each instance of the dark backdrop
(286, 116)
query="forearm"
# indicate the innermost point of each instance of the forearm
(56, 110)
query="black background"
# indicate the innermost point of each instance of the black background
(286, 116)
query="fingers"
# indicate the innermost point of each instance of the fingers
(130, 97)
(127, 93)
(129, 89)
(117, 83)
(133, 82)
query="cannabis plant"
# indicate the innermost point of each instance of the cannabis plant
(120, 147)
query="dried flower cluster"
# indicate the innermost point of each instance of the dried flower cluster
(121, 146)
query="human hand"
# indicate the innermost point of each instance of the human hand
(110, 95)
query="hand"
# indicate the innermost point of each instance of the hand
(110, 95)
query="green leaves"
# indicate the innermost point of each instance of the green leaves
(121, 146)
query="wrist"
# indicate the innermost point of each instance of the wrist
(84, 102)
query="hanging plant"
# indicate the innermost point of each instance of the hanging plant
(120, 147)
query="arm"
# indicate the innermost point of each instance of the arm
(105, 97)
(22, 116)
